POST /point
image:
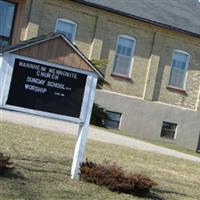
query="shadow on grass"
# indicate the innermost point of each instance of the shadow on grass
(48, 165)
(44, 165)
(64, 160)
(161, 191)
(156, 192)
(12, 174)
(152, 196)
(34, 168)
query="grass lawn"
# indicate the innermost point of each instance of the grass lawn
(43, 159)
(163, 143)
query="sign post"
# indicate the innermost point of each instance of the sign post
(83, 132)
(51, 90)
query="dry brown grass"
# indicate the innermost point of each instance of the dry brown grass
(43, 159)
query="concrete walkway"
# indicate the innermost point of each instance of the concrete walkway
(94, 133)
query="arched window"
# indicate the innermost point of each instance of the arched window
(179, 66)
(66, 27)
(124, 55)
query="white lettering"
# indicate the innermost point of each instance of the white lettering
(35, 80)
(55, 77)
(35, 88)
(43, 74)
(57, 85)
(66, 74)
(32, 66)
(52, 70)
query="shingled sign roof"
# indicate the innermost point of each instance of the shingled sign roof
(44, 38)
(179, 15)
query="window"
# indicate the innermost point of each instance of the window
(66, 27)
(7, 11)
(179, 65)
(124, 55)
(113, 121)
(168, 130)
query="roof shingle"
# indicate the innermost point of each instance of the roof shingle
(182, 15)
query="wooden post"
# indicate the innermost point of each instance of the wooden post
(83, 131)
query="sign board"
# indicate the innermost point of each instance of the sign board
(51, 90)
(45, 88)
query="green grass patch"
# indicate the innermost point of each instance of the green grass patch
(42, 161)
(162, 143)
(172, 146)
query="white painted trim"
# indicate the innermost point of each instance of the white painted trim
(85, 98)
(3, 72)
(68, 22)
(120, 120)
(176, 131)
(135, 97)
(132, 54)
(10, 59)
(8, 62)
(43, 114)
(1, 60)
(120, 94)
(83, 132)
(186, 67)
(175, 106)
(86, 107)
(181, 51)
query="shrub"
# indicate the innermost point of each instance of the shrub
(5, 164)
(98, 115)
(115, 179)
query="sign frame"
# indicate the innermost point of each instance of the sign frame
(8, 63)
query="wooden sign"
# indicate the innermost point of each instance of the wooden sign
(45, 88)
(51, 90)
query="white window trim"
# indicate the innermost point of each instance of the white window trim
(120, 120)
(175, 132)
(186, 68)
(70, 22)
(132, 56)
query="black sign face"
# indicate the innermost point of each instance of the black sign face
(46, 88)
